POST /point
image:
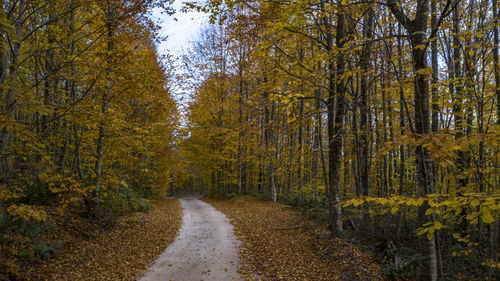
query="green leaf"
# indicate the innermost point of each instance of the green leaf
(486, 216)
(474, 203)
(472, 215)
(358, 202)
(430, 234)
(422, 231)
(437, 225)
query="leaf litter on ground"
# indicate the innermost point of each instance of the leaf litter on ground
(278, 244)
(90, 251)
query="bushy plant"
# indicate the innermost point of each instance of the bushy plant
(5, 223)
(142, 205)
(26, 254)
(37, 193)
(124, 200)
(45, 250)
(29, 228)
(405, 267)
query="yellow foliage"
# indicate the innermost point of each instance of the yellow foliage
(482, 205)
(27, 212)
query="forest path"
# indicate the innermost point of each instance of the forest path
(205, 248)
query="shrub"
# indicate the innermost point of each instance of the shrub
(26, 254)
(45, 250)
(142, 205)
(5, 223)
(37, 193)
(29, 228)
(124, 200)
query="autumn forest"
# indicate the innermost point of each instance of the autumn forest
(343, 139)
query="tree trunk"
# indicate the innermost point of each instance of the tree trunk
(336, 105)
(417, 30)
(300, 177)
(495, 57)
(6, 135)
(104, 109)
(364, 110)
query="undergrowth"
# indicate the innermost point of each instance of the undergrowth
(392, 244)
(29, 232)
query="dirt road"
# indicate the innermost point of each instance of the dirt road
(205, 248)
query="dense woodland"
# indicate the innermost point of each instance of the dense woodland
(380, 117)
(86, 117)
(384, 114)
(85, 102)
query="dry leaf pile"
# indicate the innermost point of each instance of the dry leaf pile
(92, 252)
(282, 245)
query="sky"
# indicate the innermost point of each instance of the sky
(180, 29)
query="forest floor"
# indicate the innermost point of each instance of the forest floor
(280, 244)
(276, 244)
(205, 248)
(90, 250)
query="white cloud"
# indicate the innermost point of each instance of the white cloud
(180, 29)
